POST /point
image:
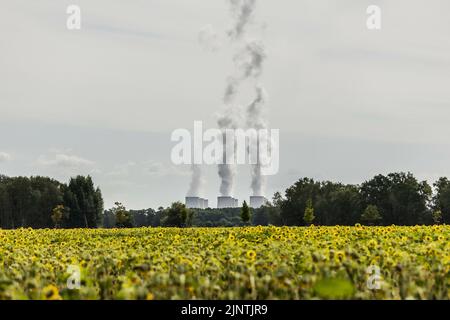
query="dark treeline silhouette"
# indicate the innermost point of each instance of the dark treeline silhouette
(41, 202)
(396, 198)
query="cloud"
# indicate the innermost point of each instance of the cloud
(5, 157)
(61, 160)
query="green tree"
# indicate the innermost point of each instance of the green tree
(245, 212)
(295, 201)
(437, 216)
(85, 203)
(177, 215)
(400, 198)
(123, 217)
(308, 216)
(441, 199)
(371, 215)
(57, 215)
(6, 213)
(29, 202)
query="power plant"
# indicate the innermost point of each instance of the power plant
(227, 202)
(257, 201)
(196, 203)
(224, 202)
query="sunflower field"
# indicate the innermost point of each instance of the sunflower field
(313, 262)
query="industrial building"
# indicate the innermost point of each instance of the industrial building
(257, 201)
(224, 202)
(227, 202)
(196, 203)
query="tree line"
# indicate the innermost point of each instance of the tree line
(395, 198)
(41, 202)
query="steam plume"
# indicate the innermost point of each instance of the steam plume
(242, 11)
(197, 181)
(248, 62)
(256, 119)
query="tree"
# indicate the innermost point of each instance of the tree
(85, 203)
(29, 202)
(399, 197)
(177, 215)
(308, 216)
(274, 210)
(20, 193)
(441, 199)
(437, 216)
(122, 216)
(57, 215)
(245, 212)
(293, 205)
(260, 216)
(371, 215)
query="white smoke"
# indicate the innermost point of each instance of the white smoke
(230, 118)
(197, 181)
(242, 12)
(256, 119)
(248, 61)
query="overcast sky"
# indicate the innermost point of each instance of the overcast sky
(103, 100)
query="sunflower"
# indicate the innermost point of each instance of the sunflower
(51, 292)
(372, 243)
(251, 254)
(339, 256)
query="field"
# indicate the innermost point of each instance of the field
(227, 263)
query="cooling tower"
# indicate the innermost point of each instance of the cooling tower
(227, 202)
(196, 203)
(257, 201)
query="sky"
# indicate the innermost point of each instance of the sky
(349, 102)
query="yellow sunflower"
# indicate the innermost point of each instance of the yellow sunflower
(51, 292)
